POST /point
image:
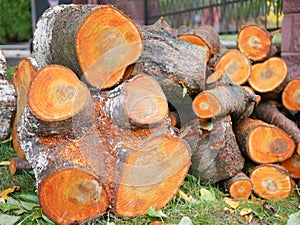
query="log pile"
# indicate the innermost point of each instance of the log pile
(111, 116)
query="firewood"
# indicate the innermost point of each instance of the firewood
(2, 65)
(292, 165)
(269, 76)
(59, 100)
(236, 65)
(291, 95)
(177, 65)
(263, 142)
(22, 77)
(139, 102)
(268, 112)
(18, 164)
(216, 155)
(271, 181)
(255, 42)
(98, 42)
(223, 100)
(239, 186)
(7, 108)
(205, 36)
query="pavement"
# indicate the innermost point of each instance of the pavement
(14, 52)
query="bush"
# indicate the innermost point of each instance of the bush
(15, 21)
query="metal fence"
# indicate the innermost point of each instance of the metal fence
(226, 16)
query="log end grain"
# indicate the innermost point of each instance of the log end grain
(71, 195)
(291, 95)
(56, 94)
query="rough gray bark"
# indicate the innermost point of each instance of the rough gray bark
(2, 65)
(177, 65)
(54, 37)
(7, 108)
(216, 155)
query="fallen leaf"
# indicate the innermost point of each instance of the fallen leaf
(245, 211)
(185, 221)
(294, 219)
(9, 220)
(283, 218)
(183, 195)
(206, 126)
(156, 213)
(207, 195)
(4, 194)
(230, 202)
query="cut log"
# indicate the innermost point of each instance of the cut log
(292, 165)
(2, 65)
(236, 65)
(255, 42)
(7, 108)
(271, 181)
(59, 100)
(137, 103)
(177, 65)
(205, 36)
(215, 154)
(18, 164)
(262, 142)
(269, 76)
(268, 112)
(22, 77)
(291, 95)
(223, 100)
(239, 186)
(98, 41)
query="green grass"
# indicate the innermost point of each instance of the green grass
(203, 210)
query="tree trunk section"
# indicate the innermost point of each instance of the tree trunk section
(269, 76)
(7, 108)
(236, 65)
(255, 42)
(139, 102)
(262, 142)
(22, 77)
(271, 181)
(92, 46)
(291, 95)
(292, 165)
(239, 186)
(177, 65)
(268, 112)
(216, 155)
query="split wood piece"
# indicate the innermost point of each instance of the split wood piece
(139, 102)
(236, 65)
(292, 165)
(268, 112)
(177, 65)
(18, 164)
(250, 109)
(271, 181)
(217, 78)
(239, 186)
(7, 108)
(255, 42)
(291, 95)
(150, 177)
(22, 77)
(205, 36)
(223, 100)
(162, 24)
(215, 154)
(59, 100)
(2, 65)
(263, 142)
(107, 42)
(98, 41)
(269, 76)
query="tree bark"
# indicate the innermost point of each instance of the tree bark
(262, 142)
(216, 155)
(2, 65)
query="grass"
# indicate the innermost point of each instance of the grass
(206, 207)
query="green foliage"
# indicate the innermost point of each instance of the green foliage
(15, 21)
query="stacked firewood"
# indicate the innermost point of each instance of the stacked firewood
(112, 116)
